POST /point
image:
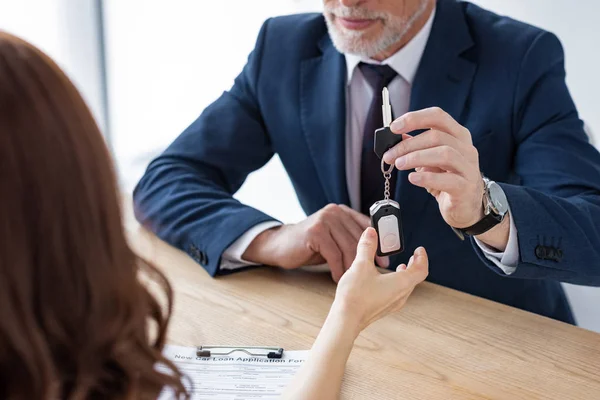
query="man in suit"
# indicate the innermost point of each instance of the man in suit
(502, 158)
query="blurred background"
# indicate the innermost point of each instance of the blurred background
(147, 68)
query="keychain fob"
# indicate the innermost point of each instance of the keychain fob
(386, 219)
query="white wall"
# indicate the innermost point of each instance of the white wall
(67, 31)
(167, 62)
(576, 24)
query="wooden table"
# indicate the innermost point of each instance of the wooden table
(443, 345)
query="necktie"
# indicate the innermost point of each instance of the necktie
(371, 179)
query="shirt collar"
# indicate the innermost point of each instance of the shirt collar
(405, 61)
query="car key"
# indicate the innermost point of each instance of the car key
(385, 139)
(385, 214)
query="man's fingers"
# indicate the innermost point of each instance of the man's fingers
(426, 140)
(333, 256)
(367, 246)
(362, 220)
(429, 169)
(438, 181)
(430, 118)
(444, 157)
(351, 222)
(346, 243)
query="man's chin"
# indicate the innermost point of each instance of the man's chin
(355, 45)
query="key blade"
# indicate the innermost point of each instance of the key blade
(386, 108)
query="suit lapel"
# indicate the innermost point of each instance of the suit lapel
(323, 118)
(443, 80)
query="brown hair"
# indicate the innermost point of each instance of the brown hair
(75, 320)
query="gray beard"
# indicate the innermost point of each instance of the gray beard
(349, 42)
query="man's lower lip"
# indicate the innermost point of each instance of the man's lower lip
(356, 24)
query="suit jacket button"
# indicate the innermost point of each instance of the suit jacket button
(195, 253)
(202, 259)
(540, 252)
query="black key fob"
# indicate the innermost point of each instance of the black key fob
(386, 219)
(385, 139)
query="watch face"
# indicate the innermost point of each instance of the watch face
(498, 200)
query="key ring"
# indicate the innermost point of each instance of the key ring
(389, 170)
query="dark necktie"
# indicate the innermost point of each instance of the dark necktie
(371, 179)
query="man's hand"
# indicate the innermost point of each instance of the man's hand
(446, 163)
(330, 235)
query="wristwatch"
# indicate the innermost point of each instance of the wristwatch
(495, 207)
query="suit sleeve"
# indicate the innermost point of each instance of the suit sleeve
(556, 201)
(186, 194)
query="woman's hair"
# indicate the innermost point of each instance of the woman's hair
(75, 321)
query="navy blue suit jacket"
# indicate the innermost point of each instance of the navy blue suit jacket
(502, 79)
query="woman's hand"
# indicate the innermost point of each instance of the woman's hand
(365, 295)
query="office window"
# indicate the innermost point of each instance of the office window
(69, 32)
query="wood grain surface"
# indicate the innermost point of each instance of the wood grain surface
(443, 345)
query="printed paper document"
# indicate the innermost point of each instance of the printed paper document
(237, 376)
